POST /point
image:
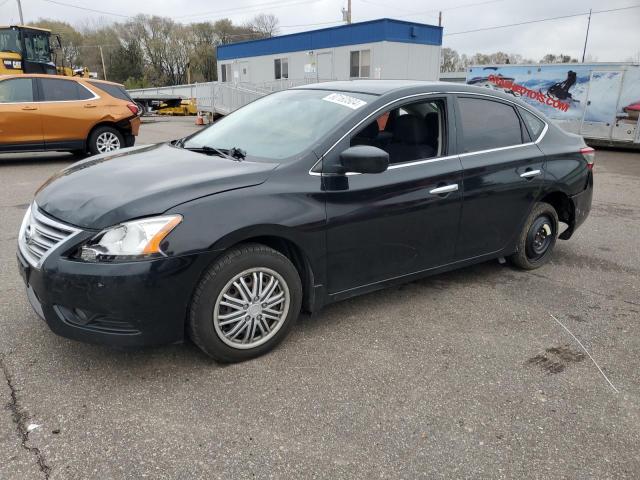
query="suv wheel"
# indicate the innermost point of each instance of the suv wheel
(538, 237)
(245, 304)
(105, 139)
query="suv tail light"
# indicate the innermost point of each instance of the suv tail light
(133, 107)
(589, 155)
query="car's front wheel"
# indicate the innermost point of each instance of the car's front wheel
(105, 139)
(245, 304)
(537, 238)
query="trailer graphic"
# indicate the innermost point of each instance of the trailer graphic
(599, 101)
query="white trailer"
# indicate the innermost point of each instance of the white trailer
(600, 101)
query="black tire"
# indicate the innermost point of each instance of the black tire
(239, 259)
(534, 251)
(92, 142)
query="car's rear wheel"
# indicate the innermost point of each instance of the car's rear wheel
(105, 139)
(245, 304)
(538, 237)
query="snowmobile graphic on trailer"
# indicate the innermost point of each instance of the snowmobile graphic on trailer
(597, 100)
(560, 90)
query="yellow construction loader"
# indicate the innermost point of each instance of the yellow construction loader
(29, 50)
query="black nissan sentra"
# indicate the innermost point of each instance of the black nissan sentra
(299, 199)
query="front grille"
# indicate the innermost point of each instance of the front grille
(40, 235)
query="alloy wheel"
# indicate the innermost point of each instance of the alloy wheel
(107, 142)
(251, 308)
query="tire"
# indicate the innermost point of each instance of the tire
(105, 139)
(534, 251)
(206, 323)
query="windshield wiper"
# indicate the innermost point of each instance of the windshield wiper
(233, 153)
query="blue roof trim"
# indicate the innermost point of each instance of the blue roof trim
(385, 29)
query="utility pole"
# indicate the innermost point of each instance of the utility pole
(104, 70)
(346, 13)
(586, 37)
(20, 11)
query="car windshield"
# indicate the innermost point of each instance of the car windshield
(9, 41)
(280, 125)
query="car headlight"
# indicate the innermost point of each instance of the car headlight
(130, 240)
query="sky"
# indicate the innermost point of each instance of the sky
(613, 37)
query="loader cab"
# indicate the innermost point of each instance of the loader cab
(26, 50)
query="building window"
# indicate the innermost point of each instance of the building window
(225, 71)
(360, 64)
(281, 68)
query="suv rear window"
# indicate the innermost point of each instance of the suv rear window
(56, 90)
(487, 124)
(116, 91)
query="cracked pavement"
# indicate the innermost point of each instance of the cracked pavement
(461, 375)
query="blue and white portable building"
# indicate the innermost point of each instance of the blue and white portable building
(377, 49)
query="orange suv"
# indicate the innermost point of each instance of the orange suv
(80, 115)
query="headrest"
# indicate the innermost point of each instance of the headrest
(410, 129)
(431, 121)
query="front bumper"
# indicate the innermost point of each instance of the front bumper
(120, 304)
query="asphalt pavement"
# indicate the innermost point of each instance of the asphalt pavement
(461, 375)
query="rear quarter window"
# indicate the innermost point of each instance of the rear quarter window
(533, 123)
(487, 124)
(115, 91)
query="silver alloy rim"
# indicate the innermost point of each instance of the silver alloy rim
(107, 142)
(251, 308)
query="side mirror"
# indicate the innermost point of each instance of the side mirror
(364, 159)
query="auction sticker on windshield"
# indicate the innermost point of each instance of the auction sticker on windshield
(345, 100)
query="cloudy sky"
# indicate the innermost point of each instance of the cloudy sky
(614, 36)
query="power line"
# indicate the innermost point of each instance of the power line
(311, 24)
(258, 6)
(540, 20)
(87, 9)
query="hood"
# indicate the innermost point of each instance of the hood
(111, 188)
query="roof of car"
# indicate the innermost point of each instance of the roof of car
(64, 77)
(383, 87)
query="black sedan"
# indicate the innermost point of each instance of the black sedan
(302, 198)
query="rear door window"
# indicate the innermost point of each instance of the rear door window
(486, 124)
(56, 90)
(116, 91)
(16, 90)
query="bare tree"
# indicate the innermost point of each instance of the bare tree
(266, 24)
(450, 60)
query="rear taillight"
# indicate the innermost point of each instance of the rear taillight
(133, 107)
(589, 155)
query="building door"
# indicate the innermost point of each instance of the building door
(602, 102)
(324, 67)
(244, 71)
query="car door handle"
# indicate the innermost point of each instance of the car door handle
(444, 189)
(90, 105)
(530, 173)
(29, 107)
